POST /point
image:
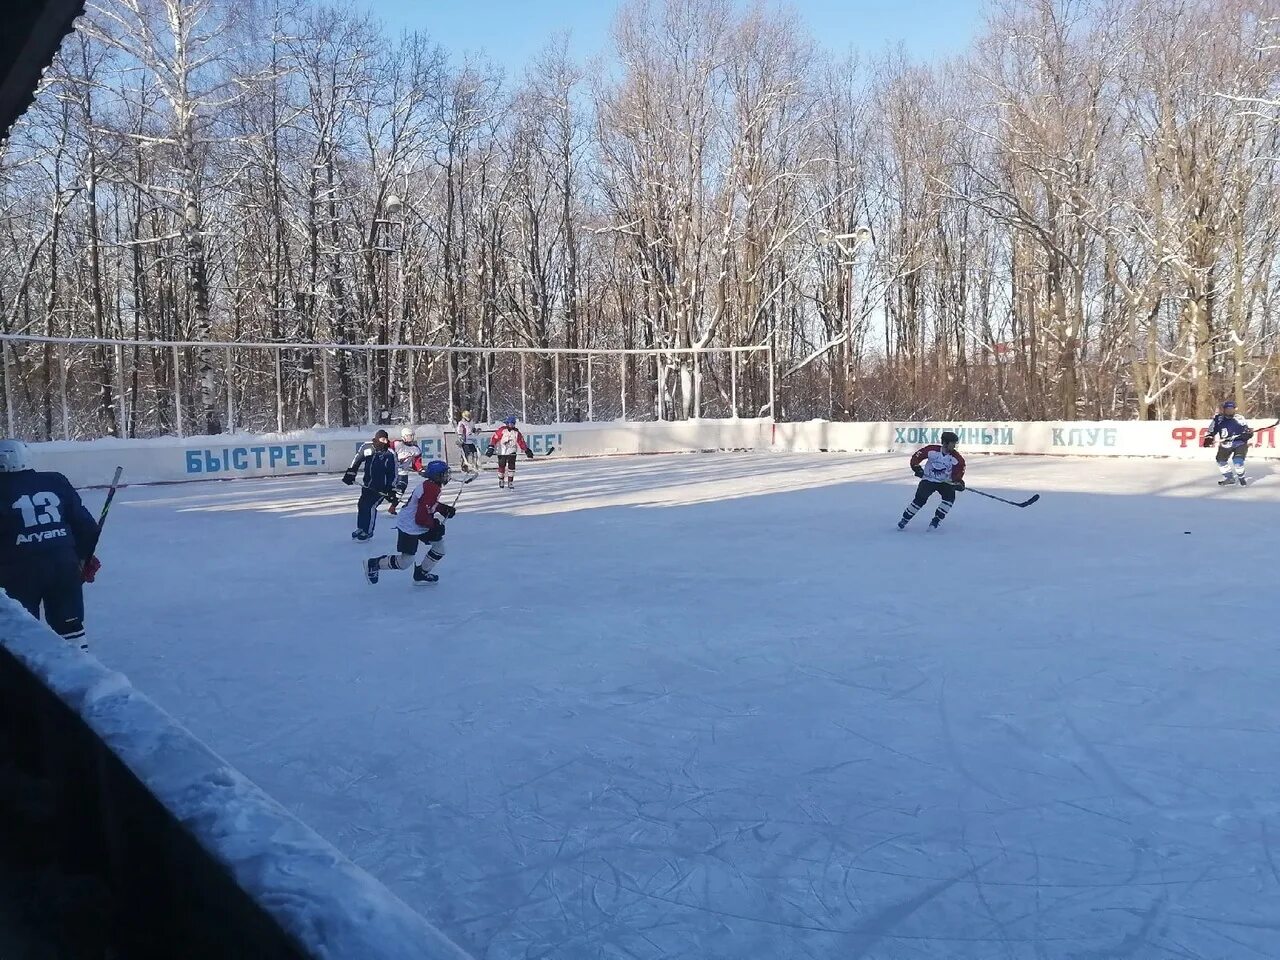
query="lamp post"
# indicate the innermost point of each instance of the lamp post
(392, 205)
(848, 245)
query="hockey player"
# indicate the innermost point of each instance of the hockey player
(420, 522)
(408, 460)
(1232, 435)
(940, 470)
(467, 443)
(379, 462)
(506, 442)
(47, 539)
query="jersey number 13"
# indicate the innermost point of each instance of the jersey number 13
(38, 509)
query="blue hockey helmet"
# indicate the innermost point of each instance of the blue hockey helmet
(511, 420)
(437, 471)
(1229, 405)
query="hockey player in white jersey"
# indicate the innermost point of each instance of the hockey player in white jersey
(467, 444)
(408, 460)
(421, 521)
(506, 443)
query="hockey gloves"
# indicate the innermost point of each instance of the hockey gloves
(90, 569)
(529, 453)
(918, 471)
(349, 477)
(488, 451)
(435, 534)
(1207, 441)
(959, 485)
(446, 510)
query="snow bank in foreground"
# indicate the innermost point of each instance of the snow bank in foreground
(331, 907)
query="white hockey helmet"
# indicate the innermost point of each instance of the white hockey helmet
(466, 414)
(14, 456)
(407, 435)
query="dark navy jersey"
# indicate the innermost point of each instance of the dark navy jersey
(41, 514)
(1228, 431)
(380, 468)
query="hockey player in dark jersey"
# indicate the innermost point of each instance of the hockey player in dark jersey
(940, 470)
(379, 482)
(47, 539)
(1232, 435)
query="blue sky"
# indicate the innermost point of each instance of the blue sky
(511, 32)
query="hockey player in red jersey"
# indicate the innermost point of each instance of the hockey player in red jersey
(421, 521)
(941, 470)
(505, 443)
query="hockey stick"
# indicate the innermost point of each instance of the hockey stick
(454, 502)
(106, 507)
(1013, 503)
(111, 495)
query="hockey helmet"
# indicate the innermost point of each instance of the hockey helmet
(510, 421)
(950, 436)
(437, 471)
(14, 456)
(1229, 406)
(466, 414)
(407, 435)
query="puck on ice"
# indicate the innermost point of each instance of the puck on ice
(1186, 531)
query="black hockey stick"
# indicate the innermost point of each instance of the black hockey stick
(1013, 503)
(106, 507)
(111, 495)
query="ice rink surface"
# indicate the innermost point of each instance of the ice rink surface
(717, 706)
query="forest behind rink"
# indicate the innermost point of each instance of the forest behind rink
(1076, 218)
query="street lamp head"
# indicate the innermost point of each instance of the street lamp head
(845, 241)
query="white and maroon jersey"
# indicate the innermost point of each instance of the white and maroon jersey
(939, 466)
(466, 431)
(418, 515)
(507, 441)
(408, 456)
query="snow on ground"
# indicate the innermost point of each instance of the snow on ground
(718, 707)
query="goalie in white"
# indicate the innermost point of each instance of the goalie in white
(467, 444)
(408, 460)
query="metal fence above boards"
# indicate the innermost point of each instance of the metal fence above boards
(77, 388)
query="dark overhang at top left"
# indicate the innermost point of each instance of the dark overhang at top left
(30, 33)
